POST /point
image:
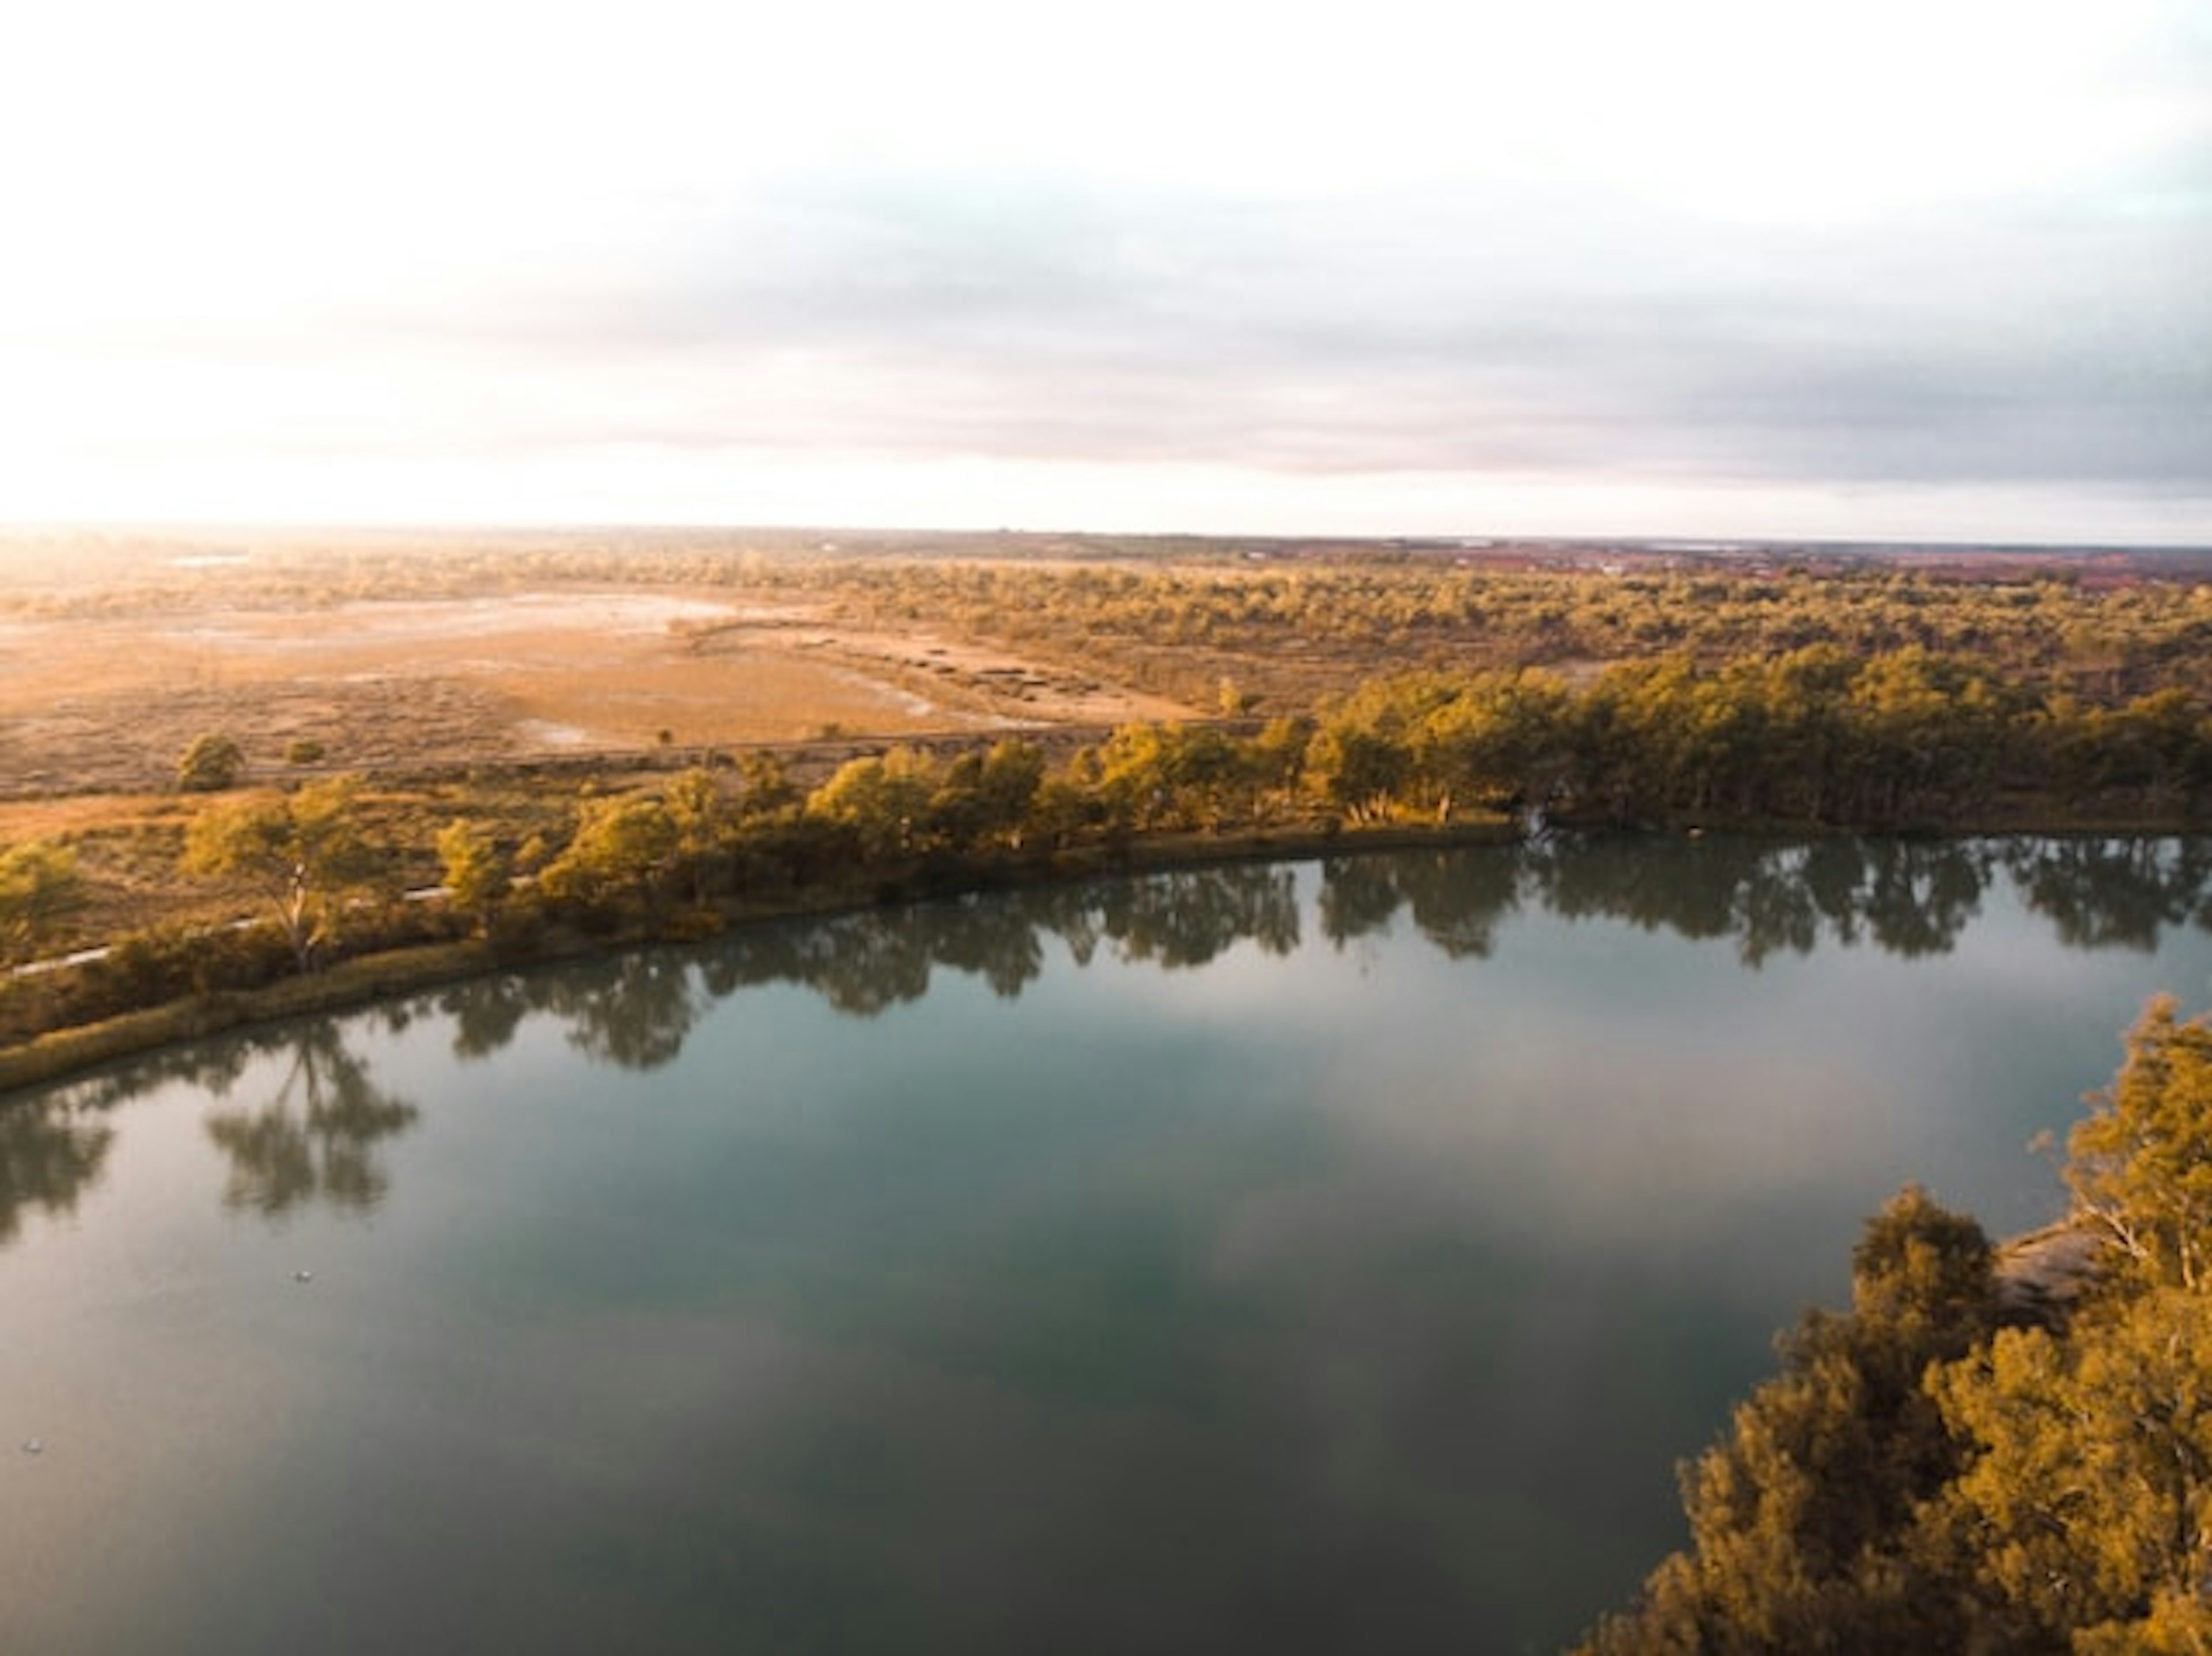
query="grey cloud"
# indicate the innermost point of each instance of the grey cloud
(1467, 329)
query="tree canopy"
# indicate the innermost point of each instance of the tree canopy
(39, 883)
(303, 852)
(209, 763)
(1942, 1470)
(2141, 1163)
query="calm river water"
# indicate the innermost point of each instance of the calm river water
(1326, 1256)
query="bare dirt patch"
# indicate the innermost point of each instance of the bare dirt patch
(106, 704)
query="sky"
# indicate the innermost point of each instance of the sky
(1897, 269)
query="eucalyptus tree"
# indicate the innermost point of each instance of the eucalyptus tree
(303, 852)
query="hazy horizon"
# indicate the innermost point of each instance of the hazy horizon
(187, 533)
(1925, 273)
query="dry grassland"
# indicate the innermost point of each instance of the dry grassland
(438, 698)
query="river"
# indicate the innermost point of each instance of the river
(1312, 1257)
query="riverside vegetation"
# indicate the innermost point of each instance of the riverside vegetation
(1812, 739)
(1948, 1467)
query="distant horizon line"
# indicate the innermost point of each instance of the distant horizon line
(1688, 543)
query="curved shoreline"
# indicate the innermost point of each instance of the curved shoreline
(363, 980)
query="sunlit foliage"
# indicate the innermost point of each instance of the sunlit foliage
(302, 852)
(1935, 1470)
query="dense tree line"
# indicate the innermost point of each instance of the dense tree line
(1812, 739)
(1815, 738)
(1951, 1467)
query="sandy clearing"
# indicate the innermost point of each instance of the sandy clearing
(108, 703)
(419, 624)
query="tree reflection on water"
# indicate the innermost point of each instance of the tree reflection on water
(315, 1135)
(1911, 897)
(630, 1010)
(2114, 893)
(51, 1151)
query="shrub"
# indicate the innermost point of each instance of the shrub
(209, 763)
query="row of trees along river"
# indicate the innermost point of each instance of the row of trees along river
(1812, 739)
(1770, 899)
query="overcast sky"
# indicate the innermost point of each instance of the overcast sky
(1894, 268)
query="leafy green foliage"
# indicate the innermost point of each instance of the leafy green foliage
(1801, 1519)
(1904, 737)
(765, 786)
(2087, 1507)
(885, 801)
(985, 799)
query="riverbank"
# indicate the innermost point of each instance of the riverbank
(438, 956)
(362, 980)
(58, 1045)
